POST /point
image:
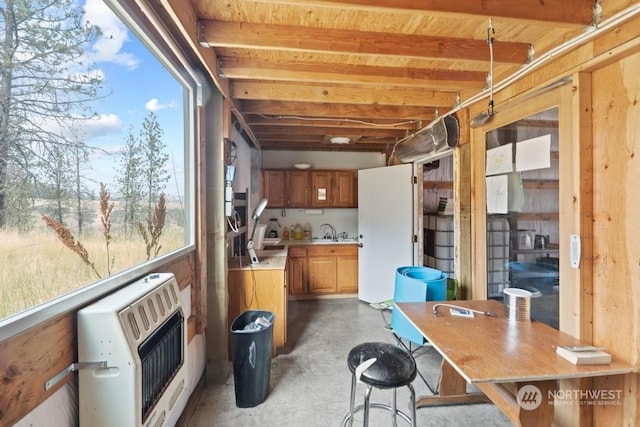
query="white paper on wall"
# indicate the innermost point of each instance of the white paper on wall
(499, 160)
(497, 194)
(534, 153)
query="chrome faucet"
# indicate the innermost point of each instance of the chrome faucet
(333, 231)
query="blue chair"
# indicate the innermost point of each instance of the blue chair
(414, 284)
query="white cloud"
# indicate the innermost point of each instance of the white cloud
(155, 105)
(114, 34)
(101, 125)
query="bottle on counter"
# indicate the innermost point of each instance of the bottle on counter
(306, 231)
(298, 234)
(285, 233)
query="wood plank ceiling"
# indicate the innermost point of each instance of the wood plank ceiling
(300, 72)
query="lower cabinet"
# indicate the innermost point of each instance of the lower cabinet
(323, 270)
(260, 290)
(297, 270)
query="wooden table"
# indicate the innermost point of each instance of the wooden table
(499, 357)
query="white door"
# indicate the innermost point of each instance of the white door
(385, 229)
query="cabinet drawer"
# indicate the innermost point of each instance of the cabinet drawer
(297, 251)
(323, 250)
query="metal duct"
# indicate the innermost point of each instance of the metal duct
(433, 142)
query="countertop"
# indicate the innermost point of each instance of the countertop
(292, 242)
(274, 256)
(267, 260)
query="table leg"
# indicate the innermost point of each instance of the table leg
(453, 390)
(542, 415)
(534, 408)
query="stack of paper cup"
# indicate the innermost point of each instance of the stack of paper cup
(517, 304)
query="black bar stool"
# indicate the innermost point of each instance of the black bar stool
(393, 367)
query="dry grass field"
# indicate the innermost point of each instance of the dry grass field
(37, 267)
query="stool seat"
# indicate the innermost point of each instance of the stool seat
(393, 368)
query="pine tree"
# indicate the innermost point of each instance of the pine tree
(130, 181)
(154, 161)
(40, 42)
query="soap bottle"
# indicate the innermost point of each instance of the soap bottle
(285, 234)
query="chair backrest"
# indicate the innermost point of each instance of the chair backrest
(416, 284)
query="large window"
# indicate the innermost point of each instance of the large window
(95, 138)
(522, 179)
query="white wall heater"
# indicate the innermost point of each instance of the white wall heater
(140, 332)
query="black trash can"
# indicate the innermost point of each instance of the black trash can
(251, 355)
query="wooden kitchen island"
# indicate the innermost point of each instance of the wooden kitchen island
(260, 287)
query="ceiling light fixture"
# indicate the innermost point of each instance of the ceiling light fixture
(340, 140)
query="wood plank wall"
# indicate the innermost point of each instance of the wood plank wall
(30, 359)
(616, 219)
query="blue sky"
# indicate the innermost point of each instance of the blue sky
(137, 84)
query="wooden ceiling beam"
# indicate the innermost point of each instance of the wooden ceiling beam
(321, 130)
(570, 13)
(302, 146)
(258, 122)
(337, 111)
(293, 38)
(345, 94)
(318, 72)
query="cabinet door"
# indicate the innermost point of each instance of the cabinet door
(274, 188)
(322, 190)
(345, 189)
(270, 295)
(347, 274)
(322, 275)
(297, 276)
(298, 189)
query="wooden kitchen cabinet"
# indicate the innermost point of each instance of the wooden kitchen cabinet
(323, 275)
(334, 189)
(310, 189)
(333, 269)
(347, 266)
(297, 189)
(322, 189)
(297, 270)
(316, 270)
(274, 188)
(346, 189)
(260, 289)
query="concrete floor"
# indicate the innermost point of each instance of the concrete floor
(310, 381)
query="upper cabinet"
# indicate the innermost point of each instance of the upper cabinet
(346, 195)
(310, 189)
(322, 189)
(274, 188)
(298, 189)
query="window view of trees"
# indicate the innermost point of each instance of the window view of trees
(92, 144)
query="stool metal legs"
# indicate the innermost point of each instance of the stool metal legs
(353, 400)
(348, 419)
(367, 395)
